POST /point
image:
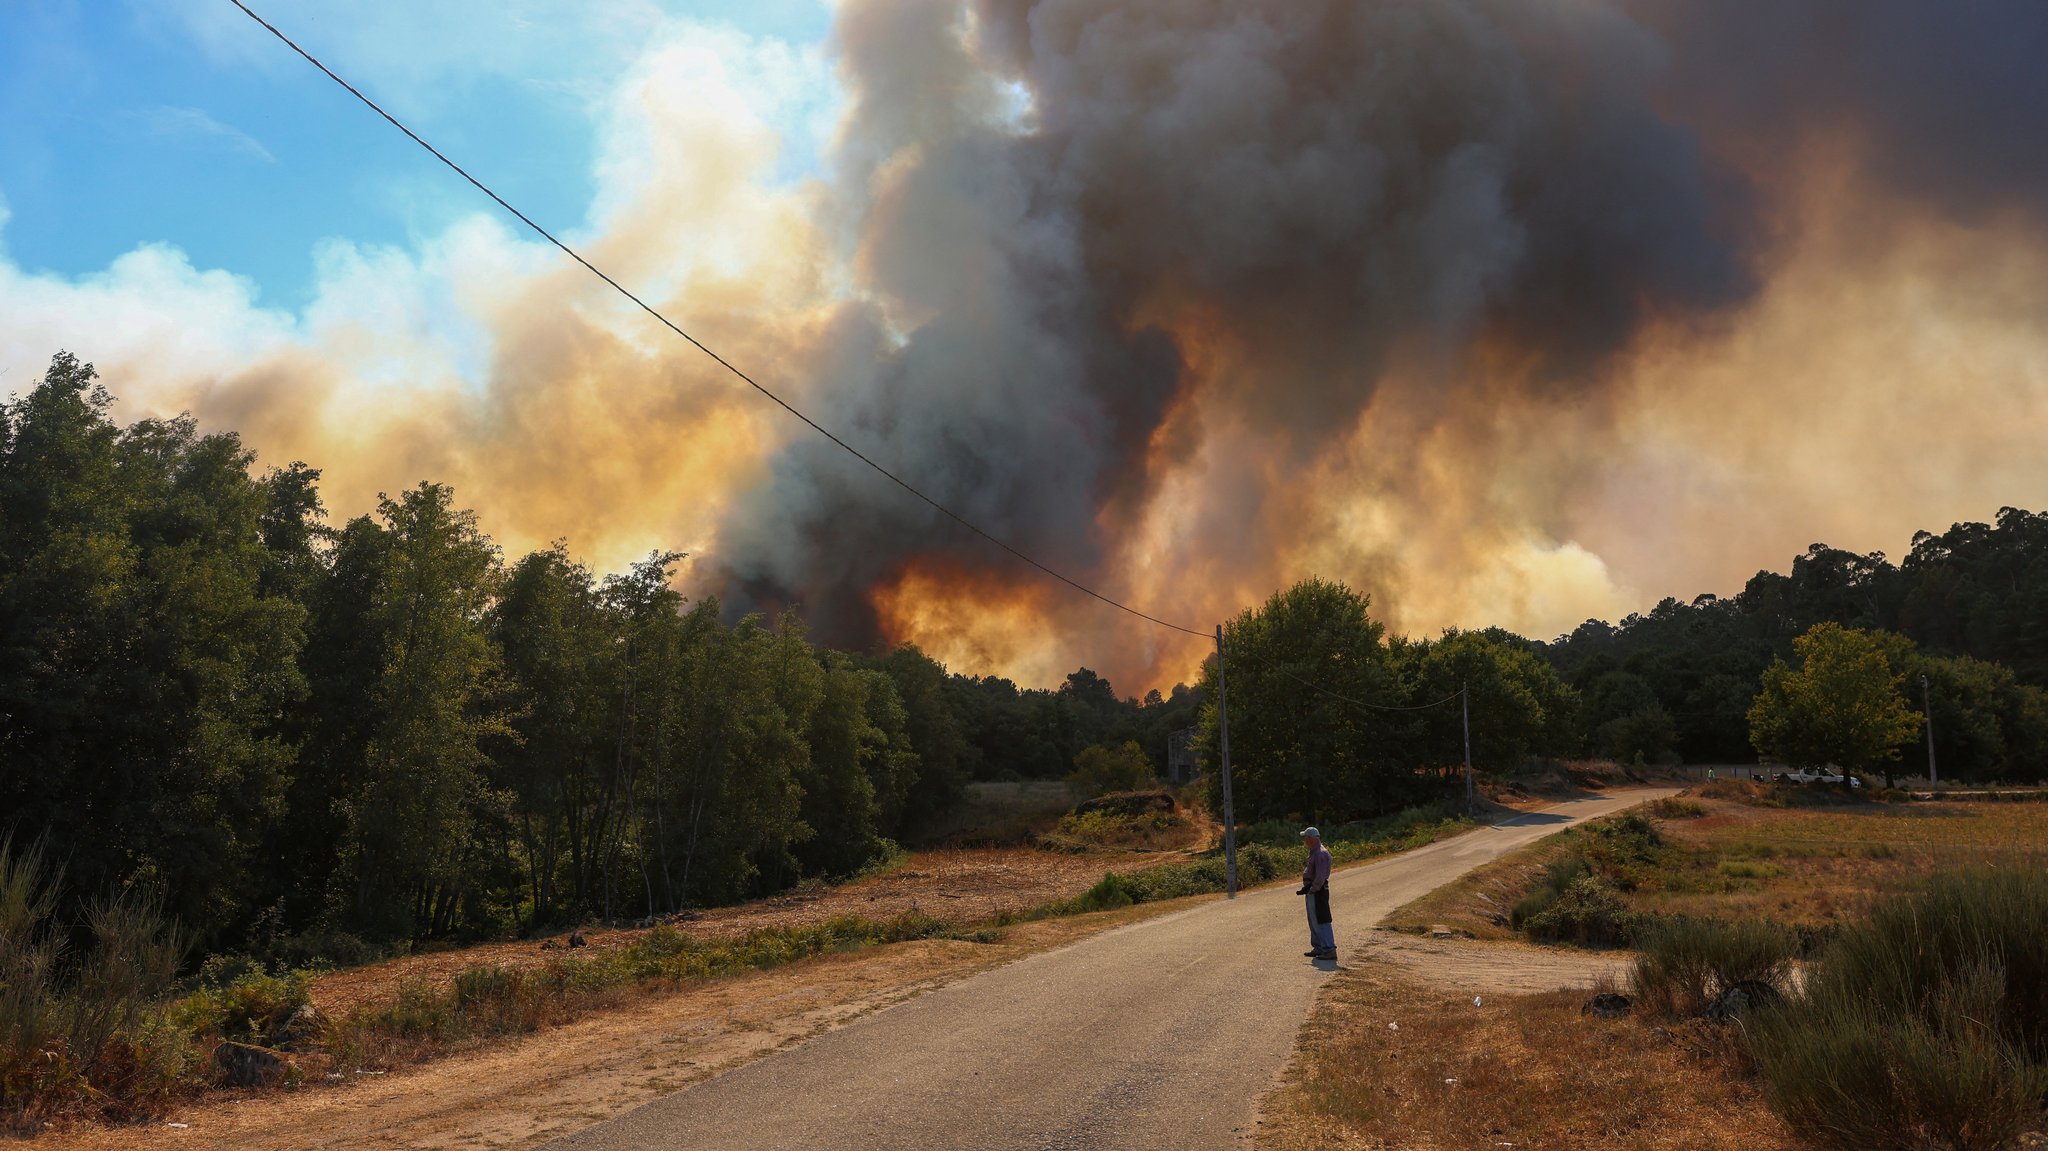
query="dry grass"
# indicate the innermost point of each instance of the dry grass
(1524, 1072)
(961, 886)
(1809, 868)
(1477, 903)
(1814, 867)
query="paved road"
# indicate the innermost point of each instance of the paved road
(1161, 1034)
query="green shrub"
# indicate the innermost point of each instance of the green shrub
(1747, 869)
(1675, 807)
(1560, 874)
(1086, 830)
(248, 1008)
(1848, 1073)
(1112, 892)
(1625, 850)
(1686, 963)
(1925, 1025)
(1588, 912)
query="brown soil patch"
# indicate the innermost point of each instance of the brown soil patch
(522, 1092)
(1469, 968)
(964, 886)
(1386, 1062)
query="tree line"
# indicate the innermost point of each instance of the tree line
(1967, 609)
(1332, 719)
(310, 735)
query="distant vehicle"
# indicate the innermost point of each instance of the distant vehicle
(1810, 775)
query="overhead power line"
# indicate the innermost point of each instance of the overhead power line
(594, 270)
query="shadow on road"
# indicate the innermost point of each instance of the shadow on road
(1534, 819)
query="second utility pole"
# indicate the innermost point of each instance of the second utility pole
(1223, 737)
(1927, 705)
(1465, 705)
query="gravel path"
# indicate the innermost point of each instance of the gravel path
(1161, 1034)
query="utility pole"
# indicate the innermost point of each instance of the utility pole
(1223, 737)
(1927, 705)
(1465, 706)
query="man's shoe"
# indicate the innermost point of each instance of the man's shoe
(1311, 953)
(1326, 953)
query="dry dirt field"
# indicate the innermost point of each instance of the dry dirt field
(1390, 1060)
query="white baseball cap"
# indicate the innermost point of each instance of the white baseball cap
(1311, 833)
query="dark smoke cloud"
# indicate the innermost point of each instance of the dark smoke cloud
(1949, 100)
(1298, 194)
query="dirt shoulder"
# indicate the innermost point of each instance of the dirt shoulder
(1470, 967)
(523, 1092)
(1391, 1059)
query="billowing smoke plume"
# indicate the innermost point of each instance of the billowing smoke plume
(1246, 214)
(1504, 311)
(1103, 232)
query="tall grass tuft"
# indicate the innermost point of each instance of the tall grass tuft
(30, 1019)
(82, 1032)
(1685, 963)
(1925, 1026)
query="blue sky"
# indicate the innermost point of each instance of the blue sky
(128, 122)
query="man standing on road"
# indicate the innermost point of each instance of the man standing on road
(1315, 885)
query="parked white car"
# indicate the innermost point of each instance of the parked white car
(1814, 775)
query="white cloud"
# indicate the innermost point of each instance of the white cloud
(477, 355)
(173, 121)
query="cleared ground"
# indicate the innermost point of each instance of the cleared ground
(1394, 1059)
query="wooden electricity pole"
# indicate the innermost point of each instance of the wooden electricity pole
(1927, 705)
(1223, 738)
(1465, 705)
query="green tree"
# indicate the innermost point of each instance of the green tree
(1840, 706)
(556, 643)
(935, 732)
(1987, 724)
(1520, 708)
(840, 804)
(1102, 768)
(1299, 747)
(734, 793)
(407, 849)
(144, 666)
